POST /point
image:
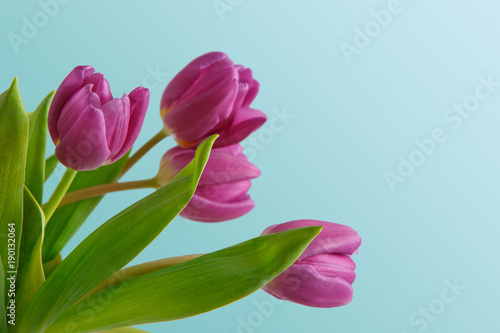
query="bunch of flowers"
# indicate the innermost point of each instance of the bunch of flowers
(206, 109)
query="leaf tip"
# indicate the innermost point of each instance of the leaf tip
(203, 150)
(14, 83)
(14, 88)
(211, 139)
(312, 231)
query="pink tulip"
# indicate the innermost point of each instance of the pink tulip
(324, 273)
(88, 126)
(210, 96)
(222, 190)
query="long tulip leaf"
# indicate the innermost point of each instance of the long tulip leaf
(35, 162)
(3, 309)
(30, 271)
(193, 287)
(50, 165)
(13, 148)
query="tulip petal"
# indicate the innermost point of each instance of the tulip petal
(100, 87)
(234, 150)
(176, 159)
(245, 74)
(334, 238)
(244, 82)
(245, 121)
(74, 107)
(304, 285)
(84, 146)
(197, 117)
(252, 85)
(224, 192)
(208, 78)
(205, 210)
(226, 164)
(332, 265)
(116, 117)
(251, 94)
(189, 74)
(139, 101)
(68, 87)
(224, 167)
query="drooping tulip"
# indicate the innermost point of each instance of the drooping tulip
(210, 96)
(222, 190)
(89, 127)
(324, 273)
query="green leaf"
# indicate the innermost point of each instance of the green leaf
(68, 219)
(138, 270)
(31, 118)
(35, 162)
(3, 319)
(13, 147)
(113, 245)
(49, 266)
(50, 165)
(30, 274)
(192, 287)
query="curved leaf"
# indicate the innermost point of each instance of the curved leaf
(113, 245)
(190, 288)
(138, 270)
(3, 319)
(35, 162)
(30, 272)
(50, 165)
(13, 147)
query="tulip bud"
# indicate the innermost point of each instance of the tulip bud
(211, 96)
(222, 190)
(88, 126)
(324, 273)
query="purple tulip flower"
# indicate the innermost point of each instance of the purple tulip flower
(210, 96)
(221, 194)
(88, 126)
(324, 273)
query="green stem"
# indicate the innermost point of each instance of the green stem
(102, 189)
(144, 149)
(61, 189)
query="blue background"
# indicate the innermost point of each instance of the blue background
(353, 118)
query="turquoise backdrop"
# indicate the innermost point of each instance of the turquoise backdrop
(384, 116)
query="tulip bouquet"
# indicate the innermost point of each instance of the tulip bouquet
(205, 177)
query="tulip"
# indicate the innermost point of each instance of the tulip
(210, 96)
(88, 126)
(324, 273)
(222, 190)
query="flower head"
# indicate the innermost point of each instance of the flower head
(222, 190)
(324, 273)
(89, 127)
(210, 96)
